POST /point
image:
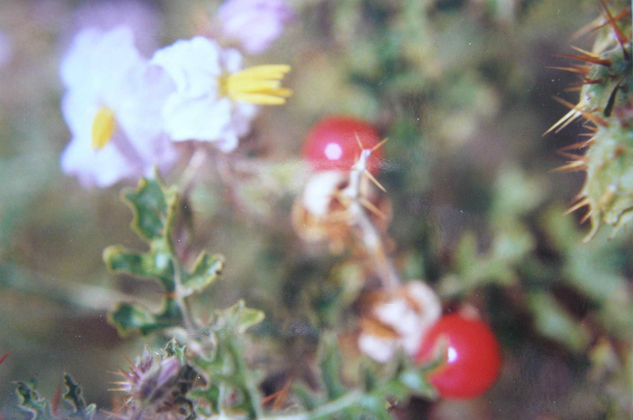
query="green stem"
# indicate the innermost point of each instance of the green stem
(181, 299)
(326, 410)
(242, 372)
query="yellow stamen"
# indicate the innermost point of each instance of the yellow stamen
(103, 127)
(259, 85)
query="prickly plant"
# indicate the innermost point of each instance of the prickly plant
(606, 105)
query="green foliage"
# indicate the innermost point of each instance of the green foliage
(554, 322)
(368, 399)
(129, 318)
(31, 402)
(74, 397)
(511, 244)
(40, 409)
(154, 207)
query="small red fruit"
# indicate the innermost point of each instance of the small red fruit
(331, 144)
(472, 360)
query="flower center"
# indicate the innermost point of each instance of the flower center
(259, 85)
(103, 127)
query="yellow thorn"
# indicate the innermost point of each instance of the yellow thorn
(564, 121)
(586, 216)
(379, 145)
(372, 208)
(374, 180)
(576, 165)
(580, 204)
(580, 50)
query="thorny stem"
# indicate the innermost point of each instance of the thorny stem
(369, 235)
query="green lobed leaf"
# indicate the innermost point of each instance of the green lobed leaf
(129, 318)
(205, 271)
(153, 206)
(174, 349)
(239, 318)
(156, 264)
(74, 397)
(31, 402)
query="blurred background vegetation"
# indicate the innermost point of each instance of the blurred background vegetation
(463, 90)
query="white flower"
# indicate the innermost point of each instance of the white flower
(406, 316)
(112, 107)
(141, 17)
(213, 100)
(254, 23)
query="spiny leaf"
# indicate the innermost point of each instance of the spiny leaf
(31, 402)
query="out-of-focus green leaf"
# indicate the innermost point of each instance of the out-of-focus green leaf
(155, 264)
(74, 397)
(205, 271)
(129, 318)
(330, 366)
(153, 206)
(239, 317)
(31, 402)
(308, 399)
(515, 194)
(551, 320)
(416, 380)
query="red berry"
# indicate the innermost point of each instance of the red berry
(332, 144)
(472, 360)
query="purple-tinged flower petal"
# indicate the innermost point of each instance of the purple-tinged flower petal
(142, 19)
(104, 70)
(254, 23)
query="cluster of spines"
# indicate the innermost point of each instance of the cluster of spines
(606, 75)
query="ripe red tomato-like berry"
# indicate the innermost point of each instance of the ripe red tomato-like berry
(331, 144)
(472, 358)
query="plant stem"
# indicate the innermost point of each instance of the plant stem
(181, 299)
(370, 236)
(241, 371)
(198, 157)
(326, 410)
